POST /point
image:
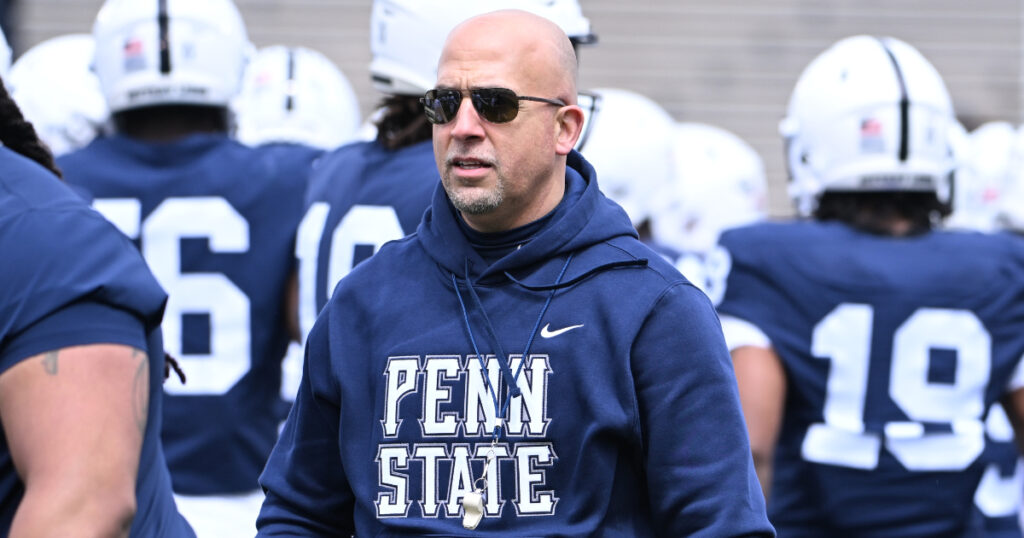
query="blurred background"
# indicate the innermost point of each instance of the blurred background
(730, 63)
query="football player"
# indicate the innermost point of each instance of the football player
(365, 194)
(216, 221)
(295, 95)
(868, 345)
(999, 495)
(296, 101)
(986, 161)
(81, 361)
(58, 92)
(718, 183)
(628, 138)
(1001, 489)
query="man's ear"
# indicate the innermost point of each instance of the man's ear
(569, 125)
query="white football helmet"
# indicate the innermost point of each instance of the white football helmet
(1010, 210)
(868, 114)
(719, 183)
(960, 145)
(163, 52)
(406, 36)
(630, 145)
(297, 95)
(5, 55)
(56, 89)
(567, 14)
(984, 170)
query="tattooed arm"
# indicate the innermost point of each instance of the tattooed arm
(74, 419)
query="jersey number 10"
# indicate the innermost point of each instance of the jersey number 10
(361, 225)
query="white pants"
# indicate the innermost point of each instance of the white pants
(221, 516)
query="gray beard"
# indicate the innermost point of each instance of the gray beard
(477, 206)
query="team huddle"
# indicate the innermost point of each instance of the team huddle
(503, 305)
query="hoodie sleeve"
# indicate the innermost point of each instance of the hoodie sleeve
(307, 491)
(700, 475)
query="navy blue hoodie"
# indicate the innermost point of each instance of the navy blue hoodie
(622, 420)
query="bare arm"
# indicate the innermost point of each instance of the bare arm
(762, 384)
(1013, 404)
(74, 419)
(291, 307)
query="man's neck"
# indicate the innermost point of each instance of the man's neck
(162, 124)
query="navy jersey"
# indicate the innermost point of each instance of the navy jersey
(216, 222)
(296, 159)
(706, 270)
(70, 279)
(999, 494)
(894, 350)
(360, 196)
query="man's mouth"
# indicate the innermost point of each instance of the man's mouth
(469, 164)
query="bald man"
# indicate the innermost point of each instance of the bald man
(522, 365)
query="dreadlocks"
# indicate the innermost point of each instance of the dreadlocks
(18, 134)
(403, 123)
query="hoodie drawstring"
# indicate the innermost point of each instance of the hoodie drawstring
(511, 379)
(640, 262)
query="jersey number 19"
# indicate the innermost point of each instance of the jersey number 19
(844, 338)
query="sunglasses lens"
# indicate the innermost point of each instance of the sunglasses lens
(496, 105)
(440, 106)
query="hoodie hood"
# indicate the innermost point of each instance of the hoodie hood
(583, 228)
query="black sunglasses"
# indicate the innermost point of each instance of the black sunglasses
(496, 105)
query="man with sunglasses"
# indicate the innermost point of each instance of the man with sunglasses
(367, 193)
(522, 364)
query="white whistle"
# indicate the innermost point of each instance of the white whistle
(472, 509)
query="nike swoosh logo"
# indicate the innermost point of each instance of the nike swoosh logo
(546, 331)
